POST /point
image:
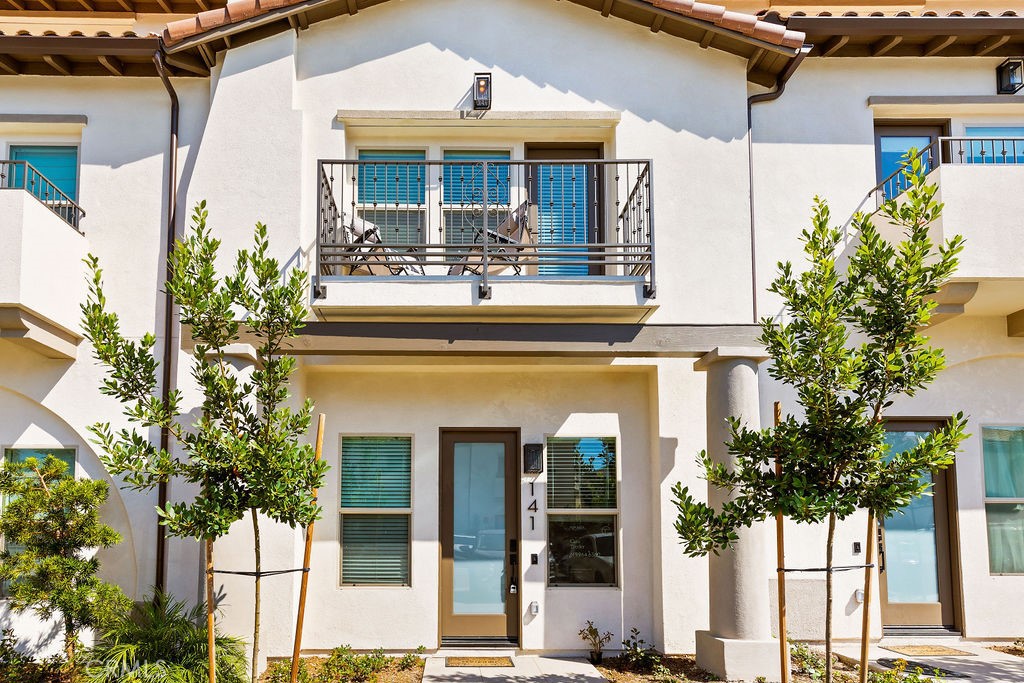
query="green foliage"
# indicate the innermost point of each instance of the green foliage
(160, 641)
(591, 635)
(243, 449)
(637, 655)
(344, 665)
(17, 667)
(849, 343)
(900, 674)
(53, 520)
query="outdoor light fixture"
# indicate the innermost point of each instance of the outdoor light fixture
(533, 458)
(482, 91)
(1010, 76)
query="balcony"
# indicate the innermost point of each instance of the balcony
(42, 278)
(491, 240)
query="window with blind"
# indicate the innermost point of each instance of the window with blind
(376, 500)
(20, 455)
(464, 193)
(392, 194)
(582, 501)
(1003, 450)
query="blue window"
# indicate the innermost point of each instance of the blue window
(392, 195)
(464, 194)
(58, 164)
(564, 193)
(996, 145)
(892, 150)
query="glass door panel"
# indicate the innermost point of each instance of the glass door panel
(478, 582)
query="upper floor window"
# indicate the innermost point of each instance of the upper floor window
(1003, 449)
(57, 163)
(994, 145)
(376, 504)
(582, 496)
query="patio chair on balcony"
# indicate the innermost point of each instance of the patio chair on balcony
(363, 252)
(507, 243)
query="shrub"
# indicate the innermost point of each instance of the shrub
(17, 667)
(159, 642)
(637, 655)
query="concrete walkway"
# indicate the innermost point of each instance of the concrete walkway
(527, 668)
(985, 666)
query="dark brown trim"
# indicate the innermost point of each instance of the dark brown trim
(513, 339)
(40, 46)
(907, 26)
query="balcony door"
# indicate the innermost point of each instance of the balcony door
(568, 200)
(892, 142)
(916, 567)
(479, 536)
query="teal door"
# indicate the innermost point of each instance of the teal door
(58, 164)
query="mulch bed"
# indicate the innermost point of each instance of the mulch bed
(683, 667)
(389, 675)
(1009, 650)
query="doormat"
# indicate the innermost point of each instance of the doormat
(927, 651)
(928, 669)
(478, 662)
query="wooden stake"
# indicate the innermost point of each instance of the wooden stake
(865, 628)
(780, 558)
(304, 585)
(211, 633)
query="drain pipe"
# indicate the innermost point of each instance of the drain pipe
(165, 387)
(780, 87)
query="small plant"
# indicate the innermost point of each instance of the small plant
(591, 635)
(637, 655)
(281, 672)
(899, 673)
(411, 659)
(805, 660)
(662, 674)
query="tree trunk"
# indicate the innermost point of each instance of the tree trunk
(69, 647)
(256, 619)
(828, 596)
(211, 633)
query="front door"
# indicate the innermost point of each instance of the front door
(479, 536)
(915, 559)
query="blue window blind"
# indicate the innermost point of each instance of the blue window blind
(994, 147)
(375, 472)
(464, 183)
(58, 164)
(581, 473)
(563, 216)
(375, 549)
(390, 181)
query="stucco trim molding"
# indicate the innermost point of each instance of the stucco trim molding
(905, 105)
(462, 117)
(79, 119)
(33, 331)
(723, 353)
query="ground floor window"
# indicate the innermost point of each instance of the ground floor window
(376, 485)
(20, 455)
(1004, 498)
(582, 497)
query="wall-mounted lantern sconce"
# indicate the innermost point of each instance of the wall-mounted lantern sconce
(533, 458)
(482, 91)
(1010, 76)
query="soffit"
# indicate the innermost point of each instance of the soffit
(78, 54)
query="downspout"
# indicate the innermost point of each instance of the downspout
(780, 87)
(165, 387)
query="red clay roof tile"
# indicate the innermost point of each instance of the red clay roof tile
(738, 22)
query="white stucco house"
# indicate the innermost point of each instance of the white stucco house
(539, 236)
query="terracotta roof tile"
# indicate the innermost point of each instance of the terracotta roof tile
(739, 22)
(783, 13)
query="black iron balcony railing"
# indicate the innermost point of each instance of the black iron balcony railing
(948, 150)
(21, 175)
(485, 219)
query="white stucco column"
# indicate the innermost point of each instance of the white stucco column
(738, 646)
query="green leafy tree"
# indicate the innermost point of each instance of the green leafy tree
(246, 449)
(849, 342)
(160, 641)
(51, 524)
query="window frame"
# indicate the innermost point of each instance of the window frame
(5, 458)
(986, 499)
(614, 513)
(75, 144)
(393, 511)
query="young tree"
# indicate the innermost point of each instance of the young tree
(244, 450)
(848, 344)
(50, 523)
